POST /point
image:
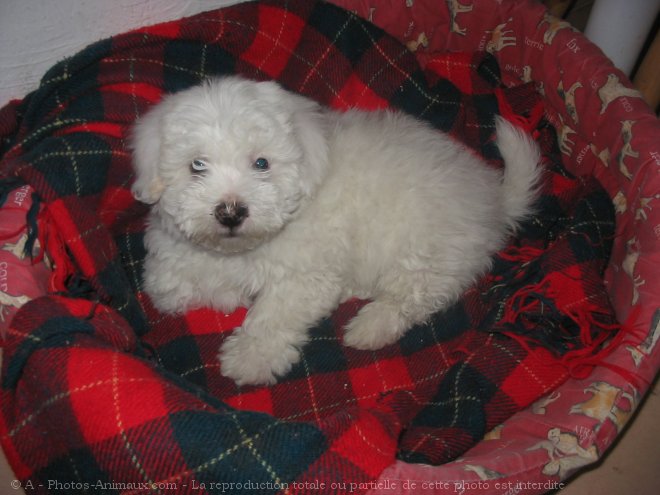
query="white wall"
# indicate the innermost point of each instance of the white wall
(620, 28)
(35, 34)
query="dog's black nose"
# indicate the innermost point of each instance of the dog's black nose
(231, 214)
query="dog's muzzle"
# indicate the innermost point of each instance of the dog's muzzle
(231, 214)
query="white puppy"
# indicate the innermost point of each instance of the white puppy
(263, 198)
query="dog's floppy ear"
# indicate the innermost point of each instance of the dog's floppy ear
(145, 142)
(310, 127)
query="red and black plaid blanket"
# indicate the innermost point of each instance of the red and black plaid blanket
(102, 393)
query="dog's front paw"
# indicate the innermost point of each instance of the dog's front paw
(250, 360)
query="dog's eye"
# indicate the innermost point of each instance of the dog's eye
(198, 166)
(261, 164)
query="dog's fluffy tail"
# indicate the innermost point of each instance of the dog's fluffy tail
(522, 170)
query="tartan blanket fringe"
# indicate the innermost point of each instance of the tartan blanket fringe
(97, 386)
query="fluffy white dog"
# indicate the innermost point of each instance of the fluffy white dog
(263, 198)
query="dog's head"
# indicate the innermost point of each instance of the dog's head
(228, 163)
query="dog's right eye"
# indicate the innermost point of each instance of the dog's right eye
(198, 166)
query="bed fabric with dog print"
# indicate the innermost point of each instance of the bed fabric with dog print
(97, 387)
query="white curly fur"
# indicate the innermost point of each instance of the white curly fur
(375, 205)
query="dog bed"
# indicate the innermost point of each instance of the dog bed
(99, 391)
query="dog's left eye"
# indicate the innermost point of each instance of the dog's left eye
(261, 164)
(198, 166)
